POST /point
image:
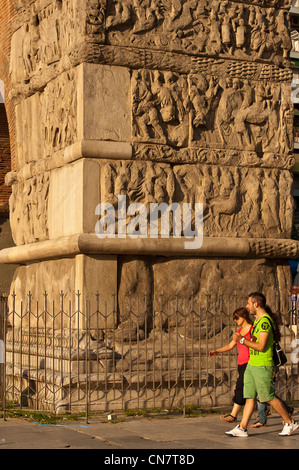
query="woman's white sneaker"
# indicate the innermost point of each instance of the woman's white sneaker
(288, 429)
(237, 432)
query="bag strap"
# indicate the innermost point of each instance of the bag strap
(271, 323)
(273, 329)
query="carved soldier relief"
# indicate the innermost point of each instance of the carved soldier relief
(209, 111)
(237, 202)
(228, 28)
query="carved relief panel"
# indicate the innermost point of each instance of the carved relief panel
(48, 34)
(51, 120)
(239, 202)
(209, 111)
(29, 209)
(160, 107)
(228, 28)
(174, 117)
(241, 114)
(51, 35)
(37, 42)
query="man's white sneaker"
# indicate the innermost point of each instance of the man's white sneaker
(237, 432)
(288, 429)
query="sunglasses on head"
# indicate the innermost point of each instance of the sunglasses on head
(236, 318)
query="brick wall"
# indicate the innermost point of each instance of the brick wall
(7, 15)
(5, 160)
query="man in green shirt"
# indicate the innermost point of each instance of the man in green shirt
(258, 377)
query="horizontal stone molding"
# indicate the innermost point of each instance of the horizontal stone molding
(90, 244)
(98, 149)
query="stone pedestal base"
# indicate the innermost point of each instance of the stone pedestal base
(65, 285)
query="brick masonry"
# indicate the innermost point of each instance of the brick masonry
(7, 137)
(7, 15)
(5, 160)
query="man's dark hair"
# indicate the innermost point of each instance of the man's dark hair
(260, 299)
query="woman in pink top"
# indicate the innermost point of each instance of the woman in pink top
(244, 322)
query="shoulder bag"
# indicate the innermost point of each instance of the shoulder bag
(279, 356)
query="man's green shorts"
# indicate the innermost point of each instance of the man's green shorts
(258, 381)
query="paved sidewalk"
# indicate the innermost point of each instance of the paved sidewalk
(163, 433)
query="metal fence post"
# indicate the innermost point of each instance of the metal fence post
(3, 354)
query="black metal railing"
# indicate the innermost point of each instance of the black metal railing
(75, 355)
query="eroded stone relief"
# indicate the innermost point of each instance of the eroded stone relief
(50, 36)
(207, 111)
(186, 101)
(228, 28)
(51, 120)
(29, 209)
(238, 202)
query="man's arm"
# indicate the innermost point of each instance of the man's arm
(258, 346)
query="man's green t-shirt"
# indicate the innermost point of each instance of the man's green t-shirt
(262, 358)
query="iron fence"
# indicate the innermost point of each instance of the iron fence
(71, 355)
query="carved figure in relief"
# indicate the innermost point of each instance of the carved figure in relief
(160, 107)
(229, 105)
(241, 35)
(146, 17)
(202, 98)
(121, 16)
(252, 200)
(286, 210)
(226, 33)
(283, 32)
(28, 209)
(257, 114)
(200, 105)
(287, 124)
(229, 205)
(270, 203)
(95, 18)
(41, 222)
(181, 16)
(144, 109)
(200, 39)
(31, 45)
(214, 35)
(164, 98)
(213, 27)
(179, 92)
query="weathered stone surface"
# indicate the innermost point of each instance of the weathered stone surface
(158, 102)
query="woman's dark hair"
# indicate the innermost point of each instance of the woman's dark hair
(243, 312)
(260, 299)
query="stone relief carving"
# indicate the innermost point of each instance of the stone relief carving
(160, 107)
(59, 113)
(29, 209)
(207, 111)
(50, 34)
(49, 31)
(163, 153)
(241, 202)
(247, 117)
(228, 28)
(51, 120)
(37, 50)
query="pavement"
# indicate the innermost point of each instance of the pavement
(169, 435)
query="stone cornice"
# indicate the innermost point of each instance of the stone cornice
(90, 244)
